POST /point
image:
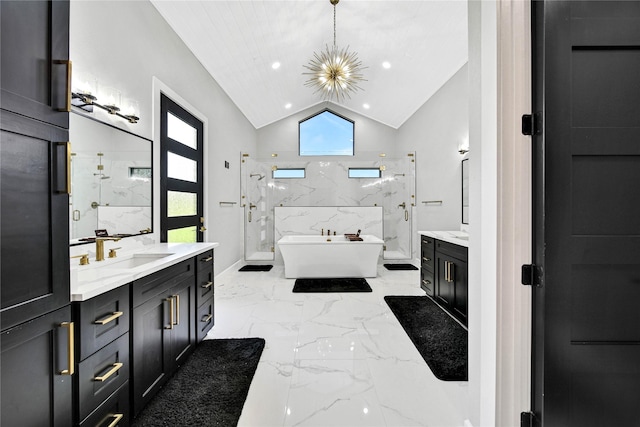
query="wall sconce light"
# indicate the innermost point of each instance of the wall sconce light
(86, 101)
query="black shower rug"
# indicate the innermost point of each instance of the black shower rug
(332, 285)
(441, 341)
(400, 267)
(209, 389)
(256, 267)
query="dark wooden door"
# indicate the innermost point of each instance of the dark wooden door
(34, 218)
(35, 73)
(151, 349)
(586, 369)
(183, 334)
(34, 392)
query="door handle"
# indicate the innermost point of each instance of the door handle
(171, 313)
(249, 215)
(70, 352)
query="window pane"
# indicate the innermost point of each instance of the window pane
(289, 173)
(182, 235)
(364, 173)
(326, 134)
(181, 131)
(181, 204)
(179, 167)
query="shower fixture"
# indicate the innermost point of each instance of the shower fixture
(256, 174)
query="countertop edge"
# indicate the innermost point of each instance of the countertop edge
(447, 236)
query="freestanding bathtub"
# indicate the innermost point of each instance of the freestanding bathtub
(329, 256)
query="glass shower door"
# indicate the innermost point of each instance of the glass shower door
(258, 212)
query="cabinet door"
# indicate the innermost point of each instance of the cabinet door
(445, 293)
(150, 346)
(34, 392)
(34, 220)
(35, 73)
(183, 331)
(461, 290)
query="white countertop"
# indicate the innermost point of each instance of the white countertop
(88, 281)
(460, 238)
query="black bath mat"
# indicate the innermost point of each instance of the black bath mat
(256, 268)
(441, 341)
(209, 389)
(332, 285)
(400, 267)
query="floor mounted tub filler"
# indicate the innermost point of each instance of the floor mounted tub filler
(329, 256)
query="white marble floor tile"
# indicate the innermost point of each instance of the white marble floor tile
(335, 359)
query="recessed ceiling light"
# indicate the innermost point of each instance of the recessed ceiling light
(287, 106)
(386, 64)
(275, 65)
(366, 106)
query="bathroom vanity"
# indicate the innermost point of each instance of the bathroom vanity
(444, 272)
(138, 317)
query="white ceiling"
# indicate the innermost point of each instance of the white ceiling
(238, 41)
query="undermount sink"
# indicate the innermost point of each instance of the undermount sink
(135, 260)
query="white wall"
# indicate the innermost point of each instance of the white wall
(125, 45)
(370, 135)
(436, 131)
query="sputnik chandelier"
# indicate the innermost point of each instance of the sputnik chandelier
(335, 73)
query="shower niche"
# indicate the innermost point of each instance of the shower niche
(284, 179)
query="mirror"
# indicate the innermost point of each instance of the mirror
(465, 191)
(111, 185)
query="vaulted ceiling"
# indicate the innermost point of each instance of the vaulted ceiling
(425, 43)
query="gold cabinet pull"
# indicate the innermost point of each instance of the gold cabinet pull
(70, 346)
(109, 318)
(452, 271)
(446, 271)
(426, 282)
(115, 368)
(426, 259)
(177, 300)
(207, 285)
(207, 259)
(170, 301)
(116, 420)
(67, 104)
(206, 318)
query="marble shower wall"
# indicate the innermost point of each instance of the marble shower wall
(326, 184)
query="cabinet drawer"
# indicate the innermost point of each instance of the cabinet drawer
(427, 282)
(455, 251)
(204, 319)
(101, 320)
(102, 374)
(204, 288)
(144, 289)
(113, 412)
(205, 260)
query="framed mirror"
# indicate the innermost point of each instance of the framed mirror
(111, 181)
(465, 191)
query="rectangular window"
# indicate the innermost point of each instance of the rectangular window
(139, 173)
(289, 173)
(365, 173)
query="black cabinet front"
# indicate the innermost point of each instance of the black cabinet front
(36, 360)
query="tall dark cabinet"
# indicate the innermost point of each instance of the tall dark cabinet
(36, 332)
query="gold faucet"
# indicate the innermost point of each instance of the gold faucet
(100, 246)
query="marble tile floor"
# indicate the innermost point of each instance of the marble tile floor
(332, 359)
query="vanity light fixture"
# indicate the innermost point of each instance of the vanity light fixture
(335, 72)
(86, 102)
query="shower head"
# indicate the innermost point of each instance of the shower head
(257, 174)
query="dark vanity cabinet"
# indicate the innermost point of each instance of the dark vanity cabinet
(36, 336)
(163, 327)
(444, 275)
(204, 294)
(102, 348)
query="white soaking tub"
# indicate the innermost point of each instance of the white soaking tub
(329, 256)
